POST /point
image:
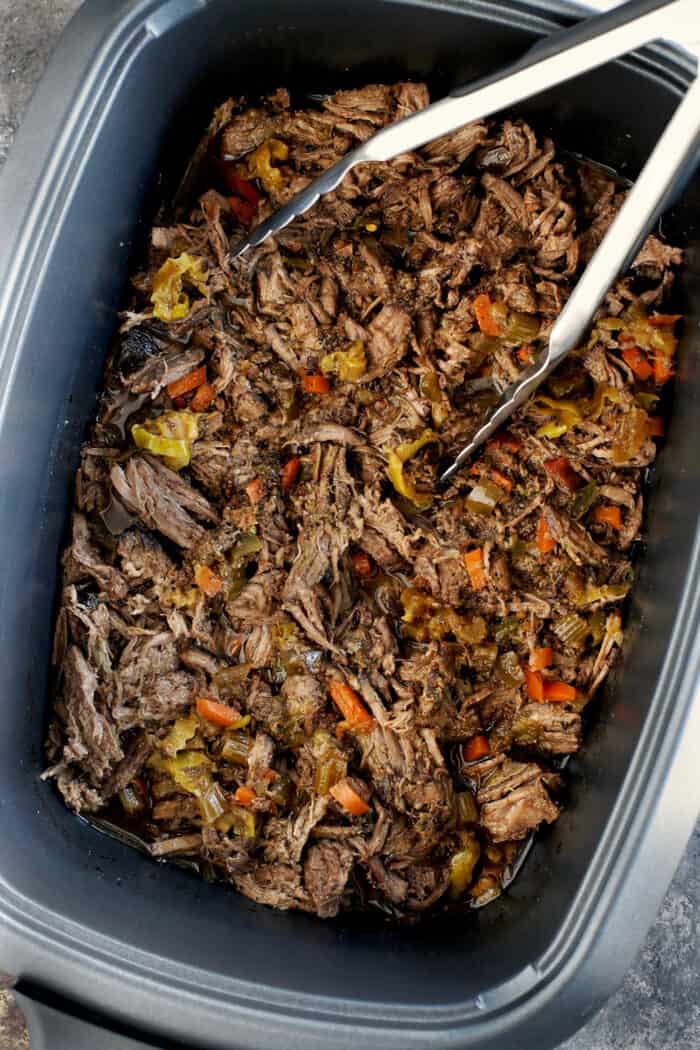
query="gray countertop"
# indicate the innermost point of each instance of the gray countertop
(658, 1005)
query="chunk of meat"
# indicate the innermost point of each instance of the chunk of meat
(656, 256)
(514, 800)
(143, 559)
(381, 517)
(305, 699)
(152, 689)
(574, 539)
(91, 738)
(549, 728)
(388, 341)
(162, 499)
(82, 559)
(508, 197)
(159, 372)
(327, 868)
(278, 885)
(213, 466)
(287, 837)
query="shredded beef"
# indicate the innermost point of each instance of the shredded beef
(281, 650)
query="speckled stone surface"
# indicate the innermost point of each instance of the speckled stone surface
(658, 1005)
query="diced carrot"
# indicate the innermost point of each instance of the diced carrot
(245, 796)
(655, 427)
(503, 480)
(216, 712)
(476, 748)
(608, 515)
(505, 440)
(316, 383)
(559, 467)
(474, 562)
(561, 691)
(255, 490)
(545, 540)
(483, 311)
(526, 353)
(663, 369)
(207, 580)
(187, 383)
(203, 397)
(664, 320)
(290, 472)
(535, 685)
(362, 564)
(541, 658)
(477, 468)
(242, 209)
(350, 706)
(349, 799)
(638, 362)
(269, 775)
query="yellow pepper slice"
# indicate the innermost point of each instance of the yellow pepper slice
(181, 732)
(567, 413)
(170, 436)
(261, 166)
(170, 303)
(349, 365)
(603, 393)
(401, 455)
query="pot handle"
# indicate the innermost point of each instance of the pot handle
(51, 1029)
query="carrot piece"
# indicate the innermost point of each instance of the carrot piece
(476, 748)
(316, 383)
(608, 515)
(663, 369)
(187, 383)
(664, 320)
(503, 480)
(535, 685)
(216, 712)
(269, 775)
(541, 658)
(255, 490)
(349, 799)
(290, 472)
(474, 562)
(483, 311)
(207, 580)
(525, 353)
(559, 467)
(242, 209)
(655, 427)
(350, 706)
(505, 440)
(362, 564)
(560, 691)
(545, 540)
(244, 796)
(638, 362)
(203, 397)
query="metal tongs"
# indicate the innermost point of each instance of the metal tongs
(551, 61)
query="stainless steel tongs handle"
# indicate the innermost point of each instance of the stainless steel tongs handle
(671, 163)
